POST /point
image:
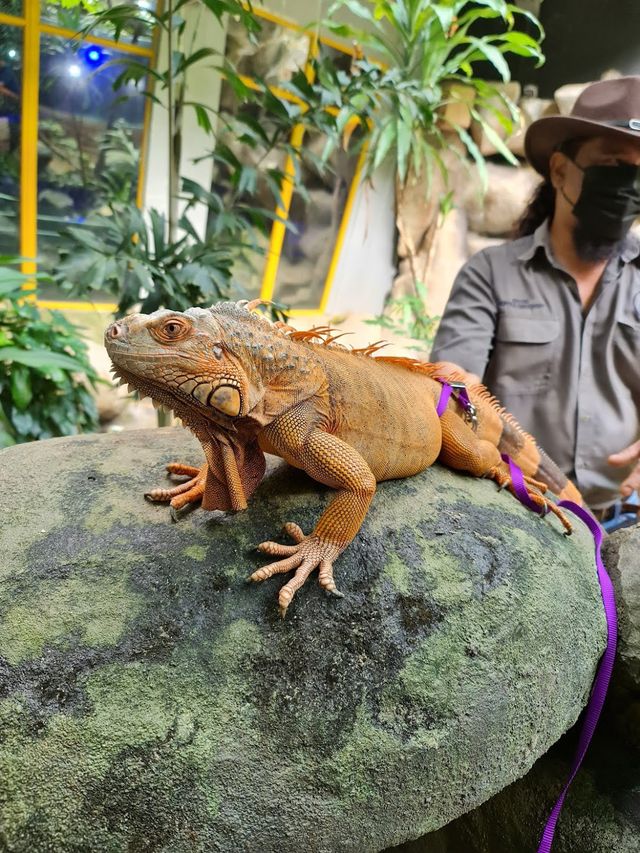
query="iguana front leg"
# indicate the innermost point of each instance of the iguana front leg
(334, 463)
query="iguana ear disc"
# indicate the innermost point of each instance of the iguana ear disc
(227, 400)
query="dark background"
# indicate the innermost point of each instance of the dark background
(584, 38)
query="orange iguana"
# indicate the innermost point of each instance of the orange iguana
(246, 386)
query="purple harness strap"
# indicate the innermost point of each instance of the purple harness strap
(445, 394)
(605, 667)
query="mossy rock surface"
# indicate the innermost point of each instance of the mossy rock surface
(152, 700)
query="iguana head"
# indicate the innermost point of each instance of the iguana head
(216, 364)
(224, 371)
(181, 359)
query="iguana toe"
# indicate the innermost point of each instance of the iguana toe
(309, 553)
(503, 479)
(184, 493)
(294, 531)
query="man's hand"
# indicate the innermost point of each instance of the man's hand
(626, 457)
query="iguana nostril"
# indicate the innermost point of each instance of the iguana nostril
(115, 331)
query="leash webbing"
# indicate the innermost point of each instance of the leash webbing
(605, 667)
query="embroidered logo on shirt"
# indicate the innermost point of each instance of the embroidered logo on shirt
(521, 303)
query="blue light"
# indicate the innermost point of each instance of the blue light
(94, 56)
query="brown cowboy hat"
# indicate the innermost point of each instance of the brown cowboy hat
(608, 107)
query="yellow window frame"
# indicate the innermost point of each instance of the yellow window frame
(278, 228)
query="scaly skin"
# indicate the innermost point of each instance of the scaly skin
(246, 386)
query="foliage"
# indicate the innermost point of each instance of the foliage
(160, 260)
(127, 255)
(413, 56)
(407, 318)
(74, 14)
(44, 370)
(417, 58)
(120, 250)
(420, 56)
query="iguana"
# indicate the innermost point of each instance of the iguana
(350, 418)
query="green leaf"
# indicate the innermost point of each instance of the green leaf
(21, 393)
(473, 149)
(516, 10)
(493, 55)
(40, 359)
(445, 15)
(495, 139)
(6, 439)
(202, 117)
(11, 281)
(187, 61)
(384, 143)
(158, 231)
(356, 8)
(404, 133)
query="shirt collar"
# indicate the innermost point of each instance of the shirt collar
(541, 239)
(631, 248)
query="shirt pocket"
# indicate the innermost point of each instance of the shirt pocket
(626, 349)
(524, 354)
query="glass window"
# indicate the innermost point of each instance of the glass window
(259, 196)
(10, 80)
(89, 136)
(11, 7)
(309, 245)
(76, 15)
(278, 54)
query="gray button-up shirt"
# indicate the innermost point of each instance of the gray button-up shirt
(572, 379)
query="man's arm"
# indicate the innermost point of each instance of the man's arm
(466, 332)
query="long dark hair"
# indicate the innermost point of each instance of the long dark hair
(543, 202)
(540, 207)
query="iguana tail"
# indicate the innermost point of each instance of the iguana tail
(526, 453)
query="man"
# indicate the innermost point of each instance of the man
(550, 322)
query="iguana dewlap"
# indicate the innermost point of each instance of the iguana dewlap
(349, 418)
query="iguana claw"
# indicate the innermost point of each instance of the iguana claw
(503, 479)
(309, 553)
(185, 493)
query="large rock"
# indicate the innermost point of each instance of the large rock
(622, 557)
(602, 810)
(154, 701)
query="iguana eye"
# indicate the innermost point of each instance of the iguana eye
(172, 329)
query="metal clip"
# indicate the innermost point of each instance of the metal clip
(462, 398)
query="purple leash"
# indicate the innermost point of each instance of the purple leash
(605, 667)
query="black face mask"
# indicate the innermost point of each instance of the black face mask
(609, 201)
